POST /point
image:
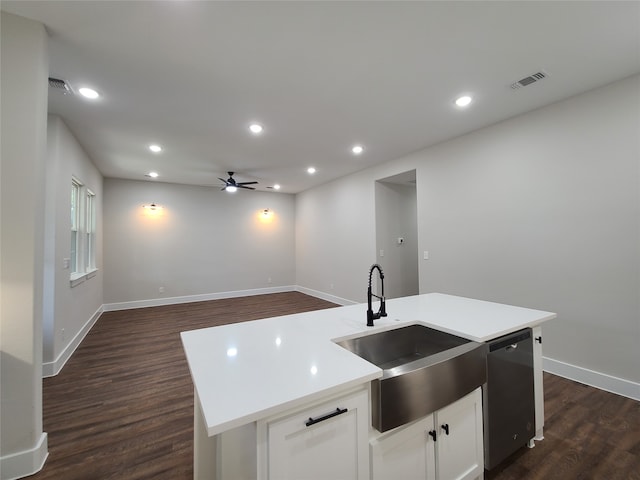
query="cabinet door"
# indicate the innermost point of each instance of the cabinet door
(326, 441)
(459, 447)
(538, 390)
(403, 453)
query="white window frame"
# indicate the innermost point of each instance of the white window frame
(90, 233)
(82, 258)
(75, 259)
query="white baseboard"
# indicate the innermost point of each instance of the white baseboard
(324, 296)
(24, 463)
(50, 369)
(157, 302)
(616, 385)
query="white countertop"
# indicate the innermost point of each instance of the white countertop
(248, 371)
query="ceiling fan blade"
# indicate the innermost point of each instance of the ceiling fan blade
(246, 183)
(222, 180)
(239, 185)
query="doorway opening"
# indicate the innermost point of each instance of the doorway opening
(397, 233)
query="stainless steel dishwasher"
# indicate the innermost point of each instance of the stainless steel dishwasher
(509, 410)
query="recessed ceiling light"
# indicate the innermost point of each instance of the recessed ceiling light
(88, 93)
(311, 170)
(255, 128)
(155, 148)
(357, 149)
(463, 101)
(152, 174)
(276, 187)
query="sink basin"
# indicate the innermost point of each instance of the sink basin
(423, 370)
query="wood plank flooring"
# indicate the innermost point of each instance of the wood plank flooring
(122, 407)
(588, 434)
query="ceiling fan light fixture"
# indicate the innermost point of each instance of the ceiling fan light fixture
(231, 186)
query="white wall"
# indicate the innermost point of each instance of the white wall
(205, 241)
(23, 444)
(335, 237)
(542, 211)
(69, 311)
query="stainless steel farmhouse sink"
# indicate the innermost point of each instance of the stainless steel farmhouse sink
(424, 370)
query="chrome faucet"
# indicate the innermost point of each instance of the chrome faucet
(382, 312)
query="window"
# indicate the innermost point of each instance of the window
(75, 226)
(90, 259)
(82, 258)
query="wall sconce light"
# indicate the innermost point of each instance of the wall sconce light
(153, 210)
(265, 215)
(152, 207)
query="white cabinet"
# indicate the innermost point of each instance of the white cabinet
(538, 389)
(459, 444)
(328, 440)
(445, 445)
(403, 453)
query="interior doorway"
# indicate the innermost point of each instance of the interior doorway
(397, 233)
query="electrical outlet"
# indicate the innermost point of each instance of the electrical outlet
(161, 290)
(269, 280)
(65, 263)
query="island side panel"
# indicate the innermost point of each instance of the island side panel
(204, 446)
(538, 388)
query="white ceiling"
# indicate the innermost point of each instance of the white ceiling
(320, 76)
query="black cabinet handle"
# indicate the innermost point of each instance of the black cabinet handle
(539, 340)
(434, 435)
(321, 418)
(445, 427)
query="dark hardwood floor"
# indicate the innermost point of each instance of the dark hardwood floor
(122, 407)
(588, 434)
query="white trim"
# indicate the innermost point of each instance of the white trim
(91, 273)
(77, 278)
(156, 302)
(324, 296)
(49, 369)
(25, 463)
(616, 385)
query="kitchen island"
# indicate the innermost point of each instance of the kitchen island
(246, 375)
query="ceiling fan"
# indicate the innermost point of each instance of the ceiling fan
(230, 185)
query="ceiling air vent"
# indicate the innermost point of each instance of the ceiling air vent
(529, 80)
(58, 84)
